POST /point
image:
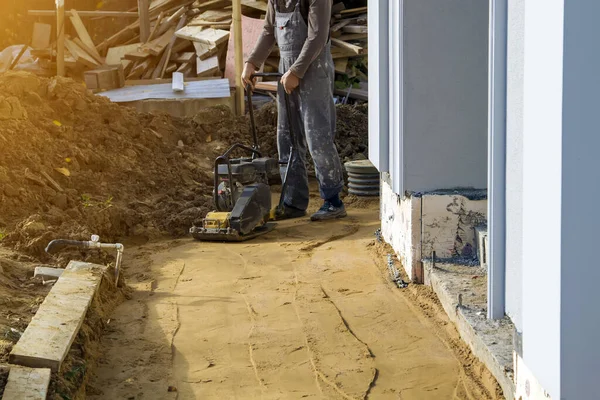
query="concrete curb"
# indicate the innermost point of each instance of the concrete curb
(474, 330)
(27, 383)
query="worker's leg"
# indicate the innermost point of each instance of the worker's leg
(296, 194)
(318, 111)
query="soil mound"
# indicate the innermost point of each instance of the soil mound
(74, 164)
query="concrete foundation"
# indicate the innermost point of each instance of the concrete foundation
(418, 224)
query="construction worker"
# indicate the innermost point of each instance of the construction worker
(301, 30)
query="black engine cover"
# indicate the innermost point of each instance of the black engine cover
(251, 209)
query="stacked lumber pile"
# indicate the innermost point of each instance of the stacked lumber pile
(190, 37)
(349, 37)
(186, 36)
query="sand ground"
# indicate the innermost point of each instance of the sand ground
(307, 311)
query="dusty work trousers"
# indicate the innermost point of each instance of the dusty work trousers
(313, 123)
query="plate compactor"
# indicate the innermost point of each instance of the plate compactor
(242, 193)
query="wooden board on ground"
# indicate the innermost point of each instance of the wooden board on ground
(251, 30)
(48, 337)
(41, 36)
(27, 383)
(207, 36)
(207, 67)
(206, 89)
(80, 56)
(83, 33)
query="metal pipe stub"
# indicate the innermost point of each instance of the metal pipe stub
(363, 178)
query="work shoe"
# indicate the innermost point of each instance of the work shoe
(329, 211)
(289, 213)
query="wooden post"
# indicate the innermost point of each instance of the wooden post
(60, 37)
(239, 55)
(144, 13)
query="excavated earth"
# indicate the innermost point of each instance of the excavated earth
(305, 311)
(74, 164)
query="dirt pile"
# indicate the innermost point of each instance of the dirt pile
(74, 164)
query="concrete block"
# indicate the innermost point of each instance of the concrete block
(401, 227)
(490, 341)
(447, 225)
(48, 273)
(27, 383)
(48, 337)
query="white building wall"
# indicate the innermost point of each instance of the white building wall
(514, 161)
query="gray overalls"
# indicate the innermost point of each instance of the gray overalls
(313, 114)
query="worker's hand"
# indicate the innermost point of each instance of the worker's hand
(249, 69)
(289, 82)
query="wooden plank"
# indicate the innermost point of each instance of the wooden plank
(185, 68)
(355, 29)
(208, 36)
(116, 55)
(207, 67)
(60, 37)
(183, 57)
(27, 383)
(200, 22)
(354, 36)
(83, 33)
(111, 14)
(80, 56)
(354, 11)
(257, 5)
(336, 27)
(341, 65)
(157, 46)
(215, 15)
(204, 51)
(91, 52)
(347, 46)
(205, 89)
(159, 71)
(213, 5)
(40, 38)
(48, 337)
(238, 51)
(156, 27)
(172, 67)
(144, 12)
(267, 86)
